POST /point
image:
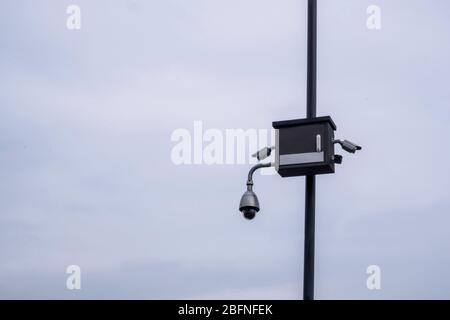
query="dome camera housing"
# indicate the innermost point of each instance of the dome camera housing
(249, 205)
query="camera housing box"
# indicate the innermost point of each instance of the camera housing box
(304, 146)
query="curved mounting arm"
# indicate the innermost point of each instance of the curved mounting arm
(252, 171)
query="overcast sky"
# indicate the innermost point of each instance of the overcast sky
(86, 176)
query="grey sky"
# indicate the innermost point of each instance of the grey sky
(86, 176)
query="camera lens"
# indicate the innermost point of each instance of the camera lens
(249, 213)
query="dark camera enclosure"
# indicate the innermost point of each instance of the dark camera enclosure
(304, 146)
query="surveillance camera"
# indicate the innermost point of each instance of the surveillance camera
(249, 205)
(348, 146)
(263, 153)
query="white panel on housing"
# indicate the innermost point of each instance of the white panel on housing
(301, 158)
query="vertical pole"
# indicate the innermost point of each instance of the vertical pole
(310, 184)
(312, 60)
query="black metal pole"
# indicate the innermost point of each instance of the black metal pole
(312, 60)
(310, 184)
